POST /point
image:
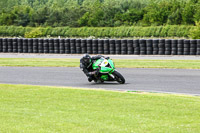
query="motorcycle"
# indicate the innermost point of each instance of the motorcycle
(106, 71)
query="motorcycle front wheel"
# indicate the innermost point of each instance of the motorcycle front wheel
(119, 78)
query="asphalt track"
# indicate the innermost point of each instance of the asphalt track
(149, 80)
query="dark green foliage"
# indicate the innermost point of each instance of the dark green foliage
(130, 17)
(98, 13)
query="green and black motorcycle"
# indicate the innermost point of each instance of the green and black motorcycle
(106, 71)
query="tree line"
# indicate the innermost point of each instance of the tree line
(98, 13)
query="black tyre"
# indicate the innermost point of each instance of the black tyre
(174, 42)
(155, 52)
(119, 78)
(180, 53)
(174, 49)
(161, 52)
(136, 43)
(149, 52)
(149, 43)
(143, 52)
(167, 52)
(136, 52)
(1, 45)
(155, 43)
(155, 49)
(198, 43)
(174, 52)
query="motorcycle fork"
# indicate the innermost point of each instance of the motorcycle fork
(110, 74)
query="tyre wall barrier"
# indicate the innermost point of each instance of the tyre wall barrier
(101, 46)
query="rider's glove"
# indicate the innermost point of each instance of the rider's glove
(97, 71)
(107, 58)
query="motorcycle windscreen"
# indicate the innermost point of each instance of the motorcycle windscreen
(111, 64)
(97, 63)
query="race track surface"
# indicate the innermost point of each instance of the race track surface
(149, 80)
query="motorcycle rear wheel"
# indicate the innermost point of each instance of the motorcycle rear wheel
(119, 78)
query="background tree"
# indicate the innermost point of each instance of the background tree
(98, 13)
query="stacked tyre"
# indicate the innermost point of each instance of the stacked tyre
(106, 46)
(174, 47)
(56, 46)
(78, 46)
(198, 47)
(168, 47)
(35, 45)
(46, 46)
(25, 45)
(67, 46)
(118, 46)
(193, 47)
(95, 46)
(19, 46)
(10, 46)
(72, 46)
(15, 49)
(83, 46)
(186, 47)
(180, 47)
(1, 45)
(149, 44)
(112, 46)
(161, 47)
(40, 46)
(130, 49)
(5, 46)
(100, 47)
(62, 46)
(124, 47)
(51, 45)
(89, 46)
(143, 47)
(155, 47)
(136, 47)
(30, 45)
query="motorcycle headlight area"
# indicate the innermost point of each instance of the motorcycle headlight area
(105, 64)
(108, 65)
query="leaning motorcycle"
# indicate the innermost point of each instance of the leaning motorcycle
(106, 71)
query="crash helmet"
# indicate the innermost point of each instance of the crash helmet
(86, 58)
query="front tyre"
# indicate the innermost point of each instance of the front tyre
(119, 78)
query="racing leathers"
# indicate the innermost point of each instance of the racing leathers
(87, 67)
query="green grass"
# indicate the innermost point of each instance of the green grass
(39, 62)
(174, 64)
(120, 63)
(37, 109)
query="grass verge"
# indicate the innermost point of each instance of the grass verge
(120, 63)
(34, 109)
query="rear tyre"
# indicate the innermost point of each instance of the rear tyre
(119, 78)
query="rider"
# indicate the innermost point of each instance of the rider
(86, 65)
